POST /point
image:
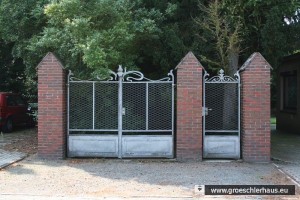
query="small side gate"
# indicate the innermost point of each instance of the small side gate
(221, 116)
(126, 116)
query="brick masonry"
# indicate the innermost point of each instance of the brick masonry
(255, 109)
(52, 108)
(189, 109)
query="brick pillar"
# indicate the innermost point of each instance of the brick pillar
(52, 108)
(255, 110)
(189, 109)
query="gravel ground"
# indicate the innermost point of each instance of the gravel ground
(21, 140)
(34, 178)
(93, 178)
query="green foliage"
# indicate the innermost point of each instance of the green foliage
(269, 27)
(262, 28)
(12, 70)
(224, 35)
(88, 36)
(91, 36)
(19, 21)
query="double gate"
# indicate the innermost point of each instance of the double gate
(221, 116)
(125, 116)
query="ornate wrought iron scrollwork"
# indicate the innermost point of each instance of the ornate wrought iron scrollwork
(70, 75)
(222, 78)
(133, 76)
(125, 75)
(139, 76)
(112, 77)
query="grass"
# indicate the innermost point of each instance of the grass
(273, 120)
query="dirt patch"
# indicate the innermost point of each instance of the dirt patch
(22, 140)
(278, 178)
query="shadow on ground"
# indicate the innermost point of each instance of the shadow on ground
(144, 177)
(285, 146)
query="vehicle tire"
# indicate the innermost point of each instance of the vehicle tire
(8, 126)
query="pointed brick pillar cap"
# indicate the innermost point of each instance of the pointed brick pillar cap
(189, 58)
(255, 56)
(50, 58)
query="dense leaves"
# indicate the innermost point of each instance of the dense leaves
(12, 70)
(259, 26)
(91, 36)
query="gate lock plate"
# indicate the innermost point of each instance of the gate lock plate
(205, 111)
(123, 111)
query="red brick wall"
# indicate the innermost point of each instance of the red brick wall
(189, 109)
(255, 110)
(52, 108)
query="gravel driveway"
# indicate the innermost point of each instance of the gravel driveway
(38, 179)
(107, 178)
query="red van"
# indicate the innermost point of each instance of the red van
(13, 112)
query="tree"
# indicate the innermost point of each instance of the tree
(12, 70)
(224, 35)
(19, 21)
(172, 40)
(269, 27)
(261, 24)
(94, 36)
(264, 27)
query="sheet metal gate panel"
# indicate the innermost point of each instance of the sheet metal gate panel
(221, 116)
(126, 116)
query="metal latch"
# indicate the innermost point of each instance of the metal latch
(205, 111)
(123, 111)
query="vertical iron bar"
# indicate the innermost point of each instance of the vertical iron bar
(239, 112)
(68, 103)
(204, 105)
(93, 105)
(173, 85)
(239, 106)
(120, 108)
(68, 111)
(147, 105)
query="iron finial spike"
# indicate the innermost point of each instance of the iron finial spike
(120, 71)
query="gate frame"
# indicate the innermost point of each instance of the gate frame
(221, 78)
(123, 77)
(255, 109)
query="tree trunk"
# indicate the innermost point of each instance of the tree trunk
(230, 108)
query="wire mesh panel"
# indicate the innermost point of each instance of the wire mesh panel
(222, 102)
(106, 105)
(221, 138)
(127, 115)
(134, 106)
(160, 106)
(81, 105)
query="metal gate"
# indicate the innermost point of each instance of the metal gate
(126, 116)
(221, 116)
